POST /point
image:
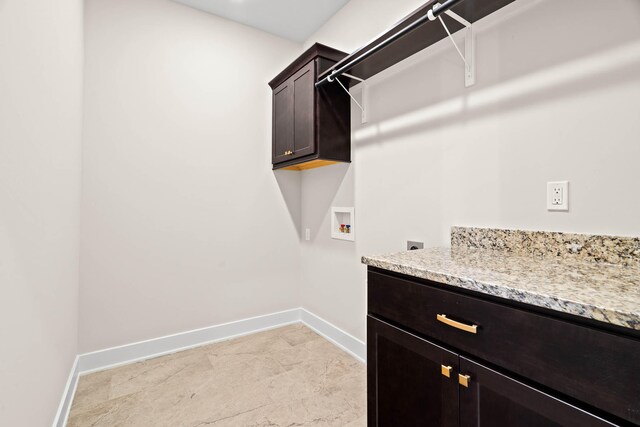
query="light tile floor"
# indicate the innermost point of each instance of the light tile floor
(288, 376)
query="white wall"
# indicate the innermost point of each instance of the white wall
(556, 99)
(184, 225)
(40, 132)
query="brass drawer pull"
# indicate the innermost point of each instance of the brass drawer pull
(464, 380)
(462, 326)
(445, 370)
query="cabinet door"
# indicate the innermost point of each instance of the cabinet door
(304, 92)
(282, 121)
(405, 381)
(493, 399)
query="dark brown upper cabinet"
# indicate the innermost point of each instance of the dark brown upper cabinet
(311, 126)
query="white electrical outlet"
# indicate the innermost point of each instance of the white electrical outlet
(558, 196)
(307, 234)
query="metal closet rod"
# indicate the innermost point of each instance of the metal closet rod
(431, 15)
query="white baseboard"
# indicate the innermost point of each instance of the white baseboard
(67, 396)
(337, 336)
(130, 353)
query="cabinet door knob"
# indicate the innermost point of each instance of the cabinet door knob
(458, 325)
(464, 380)
(446, 371)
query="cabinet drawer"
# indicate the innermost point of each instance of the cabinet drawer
(599, 368)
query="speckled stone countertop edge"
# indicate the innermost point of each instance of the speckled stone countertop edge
(590, 311)
(590, 247)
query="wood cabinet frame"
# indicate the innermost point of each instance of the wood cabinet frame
(563, 370)
(311, 126)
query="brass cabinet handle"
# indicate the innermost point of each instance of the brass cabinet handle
(446, 371)
(464, 380)
(288, 153)
(462, 326)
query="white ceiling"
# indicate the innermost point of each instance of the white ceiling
(292, 19)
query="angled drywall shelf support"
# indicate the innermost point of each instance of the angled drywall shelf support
(469, 43)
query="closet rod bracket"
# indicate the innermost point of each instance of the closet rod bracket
(364, 98)
(469, 43)
(365, 93)
(469, 57)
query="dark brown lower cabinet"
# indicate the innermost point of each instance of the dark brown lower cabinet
(410, 388)
(526, 366)
(414, 382)
(494, 399)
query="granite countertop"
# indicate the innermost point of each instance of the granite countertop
(602, 291)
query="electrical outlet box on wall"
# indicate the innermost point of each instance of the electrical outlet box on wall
(343, 224)
(558, 196)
